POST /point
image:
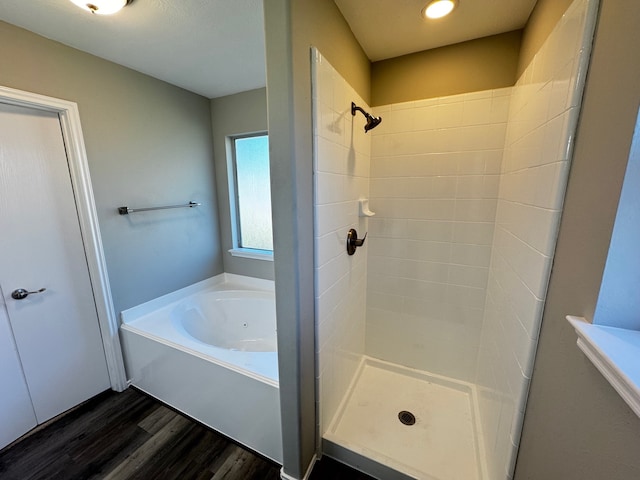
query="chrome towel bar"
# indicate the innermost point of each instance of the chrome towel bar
(128, 210)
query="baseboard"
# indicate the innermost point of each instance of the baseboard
(286, 476)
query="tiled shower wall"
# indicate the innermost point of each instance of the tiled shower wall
(341, 178)
(435, 171)
(441, 174)
(542, 121)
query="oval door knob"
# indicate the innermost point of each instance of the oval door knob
(21, 293)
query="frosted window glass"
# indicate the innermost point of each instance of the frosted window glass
(253, 192)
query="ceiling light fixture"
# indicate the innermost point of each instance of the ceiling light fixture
(439, 8)
(102, 7)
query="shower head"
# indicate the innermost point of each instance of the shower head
(372, 122)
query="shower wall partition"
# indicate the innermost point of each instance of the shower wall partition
(543, 116)
(467, 192)
(435, 171)
(341, 177)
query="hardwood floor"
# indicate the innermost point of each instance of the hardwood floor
(129, 435)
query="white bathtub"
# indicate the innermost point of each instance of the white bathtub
(209, 350)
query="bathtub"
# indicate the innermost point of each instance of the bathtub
(209, 351)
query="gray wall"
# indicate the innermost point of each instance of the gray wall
(148, 143)
(576, 426)
(237, 114)
(292, 27)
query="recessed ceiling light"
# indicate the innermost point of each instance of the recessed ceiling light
(439, 8)
(102, 7)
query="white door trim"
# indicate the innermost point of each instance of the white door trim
(88, 217)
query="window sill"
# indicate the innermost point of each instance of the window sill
(252, 254)
(615, 352)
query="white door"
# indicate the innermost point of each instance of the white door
(56, 331)
(16, 411)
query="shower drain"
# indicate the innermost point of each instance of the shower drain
(407, 418)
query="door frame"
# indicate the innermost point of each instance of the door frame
(69, 116)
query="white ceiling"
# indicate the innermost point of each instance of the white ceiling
(211, 47)
(216, 47)
(390, 28)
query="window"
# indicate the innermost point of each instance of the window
(251, 202)
(612, 342)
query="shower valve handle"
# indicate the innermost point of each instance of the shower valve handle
(353, 241)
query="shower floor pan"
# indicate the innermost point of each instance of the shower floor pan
(443, 443)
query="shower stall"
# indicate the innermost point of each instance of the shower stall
(426, 335)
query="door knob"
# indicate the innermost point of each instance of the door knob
(21, 293)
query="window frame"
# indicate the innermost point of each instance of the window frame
(237, 249)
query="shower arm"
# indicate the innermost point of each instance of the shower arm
(372, 122)
(355, 108)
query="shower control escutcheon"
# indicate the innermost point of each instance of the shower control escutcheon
(353, 241)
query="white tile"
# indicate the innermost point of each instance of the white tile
(383, 167)
(465, 296)
(471, 186)
(331, 188)
(449, 115)
(469, 317)
(477, 111)
(500, 105)
(426, 311)
(419, 187)
(386, 302)
(388, 227)
(382, 265)
(530, 265)
(444, 163)
(389, 247)
(441, 187)
(427, 271)
(380, 146)
(328, 247)
(332, 158)
(476, 210)
(425, 117)
(477, 233)
(391, 207)
(472, 255)
(551, 182)
(465, 275)
(554, 139)
(426, 209)
(438, 231)
(387, 187)
(561, 96)
(332, 271)
(333, 216)
(439, 252)
(359, 164)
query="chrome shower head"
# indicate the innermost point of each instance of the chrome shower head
(372, 122)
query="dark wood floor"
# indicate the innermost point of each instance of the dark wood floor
(131, 436)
